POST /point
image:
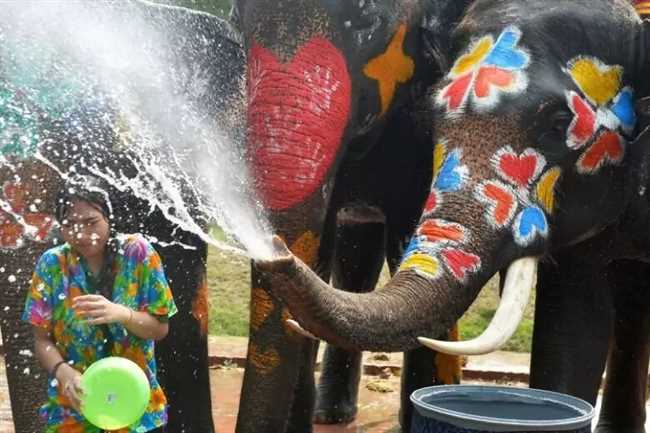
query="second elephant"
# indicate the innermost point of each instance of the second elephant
(535, 161)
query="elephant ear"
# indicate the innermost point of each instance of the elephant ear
(441, 18)
(637, 217)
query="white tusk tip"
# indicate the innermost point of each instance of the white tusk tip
(430, 343)
(295, 326)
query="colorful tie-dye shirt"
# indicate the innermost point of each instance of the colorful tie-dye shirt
(61, 275)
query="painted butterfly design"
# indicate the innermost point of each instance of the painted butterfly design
(486, 71)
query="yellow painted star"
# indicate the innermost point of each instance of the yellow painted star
(391, 68)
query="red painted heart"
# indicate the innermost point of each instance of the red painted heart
(297, 112)
(460, 262)
(519, 169)
(489, 77)
(436, 230)
(432, 202)
(609, 147)
(454, 94)
(583, 125)
(501, 201)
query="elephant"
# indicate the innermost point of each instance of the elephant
(47, 133)
(341, 161)
(381, 52)
(540, 159)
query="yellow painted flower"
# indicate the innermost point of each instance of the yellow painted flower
(546, 189)
(423, 263)
(599, 82)
(479, 50)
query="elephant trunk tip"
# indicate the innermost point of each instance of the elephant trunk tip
(280, 260)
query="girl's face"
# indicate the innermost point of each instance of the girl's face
(85, 228)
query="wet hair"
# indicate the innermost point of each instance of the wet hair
(90, 189)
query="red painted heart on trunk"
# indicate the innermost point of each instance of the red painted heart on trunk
(501, 202)
(432, 202)
(460, 262)
(297, 112)
(519, 169)
(436, 230)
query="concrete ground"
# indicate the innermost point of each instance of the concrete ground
(379, 393)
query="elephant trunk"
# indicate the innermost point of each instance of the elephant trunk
(409, 306)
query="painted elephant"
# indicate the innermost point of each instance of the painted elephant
(535, 161)
(48, 129)
(342, 164)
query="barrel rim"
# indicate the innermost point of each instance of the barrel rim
(585, 409)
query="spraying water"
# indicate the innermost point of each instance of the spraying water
(151, 76)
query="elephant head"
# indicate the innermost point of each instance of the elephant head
(533, 151)
(322, 77)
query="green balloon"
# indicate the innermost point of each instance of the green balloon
(116, 393)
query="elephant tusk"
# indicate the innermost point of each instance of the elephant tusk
(520, 278)
(295, 326)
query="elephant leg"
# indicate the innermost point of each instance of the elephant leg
(624, 396)
(357, 263)
(302, 409)
(274, 363)
(573, 322)
(186, 378)
(26, 379)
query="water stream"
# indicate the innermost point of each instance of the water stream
(148, 76)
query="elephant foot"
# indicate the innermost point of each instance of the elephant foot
(611, 427)
(334, 409)
(338, 387)
(337, 414)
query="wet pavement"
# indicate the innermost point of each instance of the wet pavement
(378, 397)
(377, 411)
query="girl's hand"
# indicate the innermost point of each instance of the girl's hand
(99, 310)
(70, 380)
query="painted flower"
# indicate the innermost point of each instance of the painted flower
(601, 111)
(449, 175)
(487, 70)
(18, 220)
(513, 201)
(436, 242)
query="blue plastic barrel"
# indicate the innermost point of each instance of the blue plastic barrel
(474, 408)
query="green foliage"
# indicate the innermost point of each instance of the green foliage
(229, 283)
(219, 8)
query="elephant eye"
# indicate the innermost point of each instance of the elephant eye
(560, 121)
